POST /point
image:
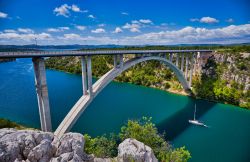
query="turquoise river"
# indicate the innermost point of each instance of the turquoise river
(226, 140)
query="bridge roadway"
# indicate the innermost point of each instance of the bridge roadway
(26, 54)
(182, 62)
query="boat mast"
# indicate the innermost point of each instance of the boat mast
(194, 110)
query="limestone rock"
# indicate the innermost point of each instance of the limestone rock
(38, 146)
(133, 150)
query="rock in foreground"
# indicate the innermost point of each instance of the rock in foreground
(32, 146)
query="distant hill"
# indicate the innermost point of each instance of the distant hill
(77, 46)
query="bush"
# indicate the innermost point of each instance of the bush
(142, 130)
(5, 123)
(102, 146)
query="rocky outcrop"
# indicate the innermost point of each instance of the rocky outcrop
(38, 146)
(133, 150)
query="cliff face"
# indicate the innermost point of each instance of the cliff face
(225, 77)
(32, 146)
(235, 67)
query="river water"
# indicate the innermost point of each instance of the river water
(227, 138)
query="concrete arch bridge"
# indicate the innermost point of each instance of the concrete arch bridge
(183, 63)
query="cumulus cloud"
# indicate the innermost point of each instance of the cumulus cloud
(189, 34)
(208, 20)
(145, 21)
(9, 31)
(27, 37)
(80, 27)
(72, 36)
(98, 30)
(91, 16)
(133, 27)
(59, 29)
(117, 30)
(64, 10)
(3, 15)
(25, 30)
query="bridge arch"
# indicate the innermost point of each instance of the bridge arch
(102, 82)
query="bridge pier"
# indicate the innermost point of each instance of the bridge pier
(121, 61)
(182, 61)
(177, 60)
(115, 61)
(171, 57)
(84, 75)
(42, 93)
(191, 69)
(186, 68)
(89, 71)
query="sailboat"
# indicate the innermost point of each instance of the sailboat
(196, 122)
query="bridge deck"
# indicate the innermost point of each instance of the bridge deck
(26, 54)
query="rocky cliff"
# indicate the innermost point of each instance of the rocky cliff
(34, 146)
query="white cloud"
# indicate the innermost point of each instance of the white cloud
(194, 19)
(64, 10)
(75, 8)
(3, 15)
(124, 13)
(229, 34)
(71, 36)
(145, 21)
(64, 28)
(98, 30)
(53, 30)
(91, 16)
(230, 20)
(117, 30)
(134, 27)
(25, 30)
(9, 31)
(208, 20)
(58, 29)
(80, 27)
(27, 37)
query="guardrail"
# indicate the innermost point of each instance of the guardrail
(25, 54)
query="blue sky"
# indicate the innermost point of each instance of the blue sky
(124, 21)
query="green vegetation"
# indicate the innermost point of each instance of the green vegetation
(5, 123)
(144, 131)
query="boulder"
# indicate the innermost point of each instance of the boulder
(133, 150)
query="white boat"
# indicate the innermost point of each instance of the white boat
(196, 122)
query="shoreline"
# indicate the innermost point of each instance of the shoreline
(176, 92)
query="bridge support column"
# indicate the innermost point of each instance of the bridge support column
(186, 68)
(196, 63)
(121, 61)
(42, 94)
(89, 71)
(177, 60)
(182, 61)
(115, 61)
(171, 57)
(191, 69)
(84, 75)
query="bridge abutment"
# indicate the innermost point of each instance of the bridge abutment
(42, 94)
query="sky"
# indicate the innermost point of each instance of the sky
(124, 22)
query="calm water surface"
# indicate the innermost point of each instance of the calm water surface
(227, 139)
